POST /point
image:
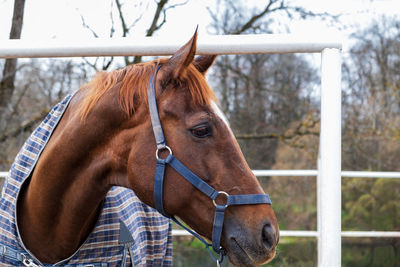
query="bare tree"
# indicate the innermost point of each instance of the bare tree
(371, 101)
(266, 97)
(38, 86)
(128, 22)
(7, 85)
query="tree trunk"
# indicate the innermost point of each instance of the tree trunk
(7, 83)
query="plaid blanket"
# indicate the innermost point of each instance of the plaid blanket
(127, 232)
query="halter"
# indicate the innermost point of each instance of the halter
(194, 180)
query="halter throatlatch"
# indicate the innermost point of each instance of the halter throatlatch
(194, 180)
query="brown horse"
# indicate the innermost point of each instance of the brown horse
(105, 139)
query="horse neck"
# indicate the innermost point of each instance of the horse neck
(59, 207)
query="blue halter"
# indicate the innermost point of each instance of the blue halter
(194, 180)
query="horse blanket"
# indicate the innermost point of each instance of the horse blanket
(128, 232)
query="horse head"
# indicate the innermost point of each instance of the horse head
(199, 135)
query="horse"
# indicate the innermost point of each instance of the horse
(112, 135)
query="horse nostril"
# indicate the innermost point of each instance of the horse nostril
(268, 236)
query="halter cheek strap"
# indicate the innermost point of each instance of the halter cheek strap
(155, 119)
(192, 178)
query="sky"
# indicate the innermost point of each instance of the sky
(61, 19)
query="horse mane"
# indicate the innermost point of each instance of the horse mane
(133, 82)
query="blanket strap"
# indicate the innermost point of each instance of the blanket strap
(17, 256)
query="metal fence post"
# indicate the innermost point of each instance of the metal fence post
(329, 178)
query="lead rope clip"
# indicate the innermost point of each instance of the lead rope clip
(28, 262)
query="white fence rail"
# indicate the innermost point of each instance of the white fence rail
(315, 234)
(350, 174)
(153, 46)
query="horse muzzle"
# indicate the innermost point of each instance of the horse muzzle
(250, 246)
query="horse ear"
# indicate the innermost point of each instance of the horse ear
(178, 63)
(203, 63)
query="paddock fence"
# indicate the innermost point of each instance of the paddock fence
(329, 174)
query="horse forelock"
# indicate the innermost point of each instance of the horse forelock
(133, 82)
(200, 92)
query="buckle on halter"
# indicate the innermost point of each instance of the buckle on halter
(163, 148)
(226, 201)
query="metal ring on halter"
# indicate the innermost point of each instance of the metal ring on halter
(223, 193)
(166, 147)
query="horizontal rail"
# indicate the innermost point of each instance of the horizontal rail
(355, 174)
(348, 174)
(370, 234)
(289, 233)
(285, 172)
(176, 232)
(157, 46)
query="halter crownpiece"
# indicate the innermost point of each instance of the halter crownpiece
(193, 179)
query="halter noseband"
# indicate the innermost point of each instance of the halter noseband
(193, 179)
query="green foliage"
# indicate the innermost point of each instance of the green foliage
(302, 252)
(367, 252)
(294, 201)
(371, 204)
(297, 252)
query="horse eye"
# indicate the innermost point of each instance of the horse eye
(201, 131)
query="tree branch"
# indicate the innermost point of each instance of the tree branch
(93, 65)
(25, 126)
(106, 64)
(295, 133)
(112, 30)
(125, 29)
(249, 24)
(137, 20)
(88, 27)
(275, 135)
(153, 27)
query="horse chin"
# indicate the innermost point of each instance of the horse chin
(240, 255)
